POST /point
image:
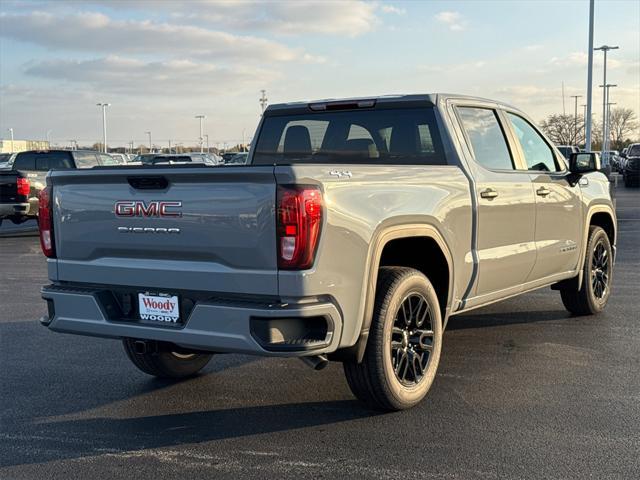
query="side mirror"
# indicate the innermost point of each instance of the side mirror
(584, 162)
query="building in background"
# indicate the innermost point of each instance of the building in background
(22, 145)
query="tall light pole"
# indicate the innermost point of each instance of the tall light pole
(201, 118)
(10, 130)
(575, 117)
(150, 147)
(207, 137)
(605, 117)
(263, 100)
(605, 49)
(587, 138)
(104, 124)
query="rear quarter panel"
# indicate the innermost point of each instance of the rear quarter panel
(359, 209)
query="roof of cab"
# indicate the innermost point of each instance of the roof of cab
(388, 101)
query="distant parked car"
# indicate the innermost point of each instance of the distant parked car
(163, 158)
(121, 158)
(567, 150)
(4, 159)
(623, 159)
(238, 159)
(226, 156)
(631, 169)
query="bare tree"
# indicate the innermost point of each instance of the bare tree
(563, 129)
(623, 124)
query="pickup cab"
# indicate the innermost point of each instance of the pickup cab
(356, 229)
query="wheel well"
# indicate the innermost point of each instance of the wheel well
(604, 220)
(423, 254)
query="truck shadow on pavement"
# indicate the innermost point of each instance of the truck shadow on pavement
(53, 441)
(483, 320)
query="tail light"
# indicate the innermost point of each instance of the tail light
(23, 187)
(299, 220)
(45, 223)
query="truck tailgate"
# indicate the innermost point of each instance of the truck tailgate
(8, 188)
(202, 228)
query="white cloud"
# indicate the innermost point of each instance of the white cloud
(347, 17)
(453, 20)
(97, 32)
(392, 9)
(129, 76)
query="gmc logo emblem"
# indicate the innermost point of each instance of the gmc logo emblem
(138, 208)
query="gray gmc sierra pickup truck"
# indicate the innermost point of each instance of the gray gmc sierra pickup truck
(357, 228)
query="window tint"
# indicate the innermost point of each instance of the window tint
(487, 139)
(44, 163)
(24, 161)
(393, 136)
(537, 153)
(85, 159)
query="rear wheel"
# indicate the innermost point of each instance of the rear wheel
(165, 360)
(405, 339)
(594, 292)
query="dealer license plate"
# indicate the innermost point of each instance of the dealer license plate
(159, 308)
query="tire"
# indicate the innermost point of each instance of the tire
(627, 182)
(374, 381)
(592, 296)
(166, 362)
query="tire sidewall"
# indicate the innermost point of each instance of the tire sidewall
(598, 235)
(416, 283)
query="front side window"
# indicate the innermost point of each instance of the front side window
(486, 137)
(537, 153)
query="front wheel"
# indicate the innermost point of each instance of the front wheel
(403, 348)
(597, 273)
(164, 360)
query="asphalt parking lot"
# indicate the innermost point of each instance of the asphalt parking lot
(523, 391)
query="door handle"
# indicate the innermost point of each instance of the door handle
(543, 191)
(489, 193)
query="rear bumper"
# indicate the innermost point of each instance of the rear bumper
(217, 325)
(13, 209)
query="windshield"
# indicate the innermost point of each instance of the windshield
(393, 136)
(634, 151)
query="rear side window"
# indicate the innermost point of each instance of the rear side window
(393, 136)
(486, 137)
(537, 153)
(44, 163)
(85, 159)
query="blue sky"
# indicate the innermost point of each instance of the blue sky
(161, 62)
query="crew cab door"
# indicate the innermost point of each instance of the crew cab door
(558, 222)
(505, 202)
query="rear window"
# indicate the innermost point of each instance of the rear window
(634, 151)
(42, 161)
(394, 136)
